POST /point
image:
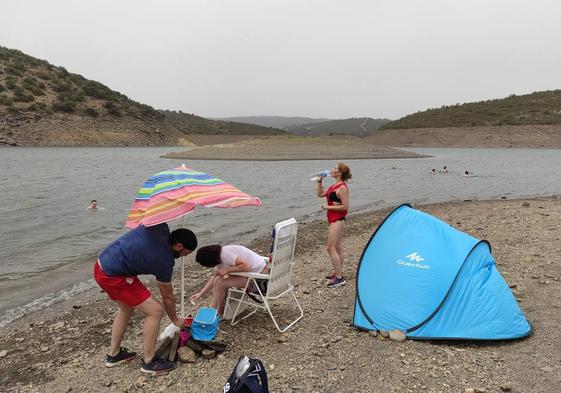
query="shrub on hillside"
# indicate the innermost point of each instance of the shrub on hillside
(23, 97)
(5, 100)
(28, 81)
(114, 111)
(2, 88)
(97, 90)
(11, 83)
(11, 70)
(62, 73)
(91, 112)
(147, 110)
(64, 106)
(44, 75)
(37, 91)
(60, 87)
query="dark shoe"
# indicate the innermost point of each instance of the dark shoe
(336, 282)
(157, 367)
(123, 356)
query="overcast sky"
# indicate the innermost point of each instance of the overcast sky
(318, 58)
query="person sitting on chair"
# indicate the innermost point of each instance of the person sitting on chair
(226, 260)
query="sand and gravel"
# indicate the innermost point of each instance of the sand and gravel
(323, 352)
(289, 148)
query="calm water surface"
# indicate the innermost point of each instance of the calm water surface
(49, 239)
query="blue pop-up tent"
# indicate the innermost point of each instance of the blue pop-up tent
(419, 275)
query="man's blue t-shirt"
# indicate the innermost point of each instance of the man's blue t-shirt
(144, 250)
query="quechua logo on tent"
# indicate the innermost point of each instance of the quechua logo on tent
(414, 260)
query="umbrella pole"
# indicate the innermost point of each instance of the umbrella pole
(182, 280)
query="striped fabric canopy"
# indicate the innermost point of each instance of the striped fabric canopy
(171, 194)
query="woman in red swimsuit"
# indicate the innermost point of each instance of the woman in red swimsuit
(337, 206)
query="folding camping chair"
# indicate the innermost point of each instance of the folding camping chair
(280, 271)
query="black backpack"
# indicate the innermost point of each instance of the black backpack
(249, 376)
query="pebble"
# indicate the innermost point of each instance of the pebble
(397, 335)
(140, 382)
(526, 204)
(56, 326)
(209, 354)
(469, 390)
(373, 333)
(3, 353)
(506, 388)
(187, 355)
(384, 334)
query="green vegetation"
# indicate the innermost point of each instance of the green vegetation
(91, 112)
(536, 108)
(361, 126)
(28, 84)
(193, 124)
(25, 79)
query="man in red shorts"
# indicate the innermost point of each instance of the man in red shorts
(144, 250)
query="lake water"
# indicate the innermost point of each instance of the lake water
(49, 239)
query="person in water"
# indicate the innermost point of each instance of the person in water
(337, 207)
(144, 250)
(226, 260)
(93, 205)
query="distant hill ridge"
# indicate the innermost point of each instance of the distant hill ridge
(273, 121)
(538, 108)
(43, 104)
(360, 126)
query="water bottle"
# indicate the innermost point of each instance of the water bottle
(320, 175)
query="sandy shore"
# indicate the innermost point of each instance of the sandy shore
(323, 353)
(289, 148)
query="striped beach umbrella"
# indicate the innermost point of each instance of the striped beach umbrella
(171, 194)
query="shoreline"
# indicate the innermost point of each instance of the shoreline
(524, 234)
(293, 148)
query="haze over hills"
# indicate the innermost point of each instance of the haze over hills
(538, 108)
(360, 126)
(43, 104)
(273, 121)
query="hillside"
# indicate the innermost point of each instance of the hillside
(43, 104)
(539, 108)
(273, 121)
(361, 126)
(193, 124)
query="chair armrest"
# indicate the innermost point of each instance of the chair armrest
(251, 275)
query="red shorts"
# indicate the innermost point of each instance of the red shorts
(129, 290)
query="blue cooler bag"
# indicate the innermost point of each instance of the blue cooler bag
(205, 324)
